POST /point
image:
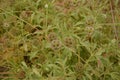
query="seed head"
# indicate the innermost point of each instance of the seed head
(90, 21)
(6, 24)
(52, 36)
(89, 29)
(69, 41)
(79, 67)
(56, 45)
(79, 70)
(25, 14)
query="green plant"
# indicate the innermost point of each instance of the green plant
(60, 39)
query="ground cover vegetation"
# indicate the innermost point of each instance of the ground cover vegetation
(59, 39)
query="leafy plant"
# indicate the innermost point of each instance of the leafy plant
(60, 39)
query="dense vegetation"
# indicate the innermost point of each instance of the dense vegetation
(59, 40)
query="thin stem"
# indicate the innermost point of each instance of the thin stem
(113, 19)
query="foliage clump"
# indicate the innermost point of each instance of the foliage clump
(60, 39)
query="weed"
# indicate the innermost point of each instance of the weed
(59, 40)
